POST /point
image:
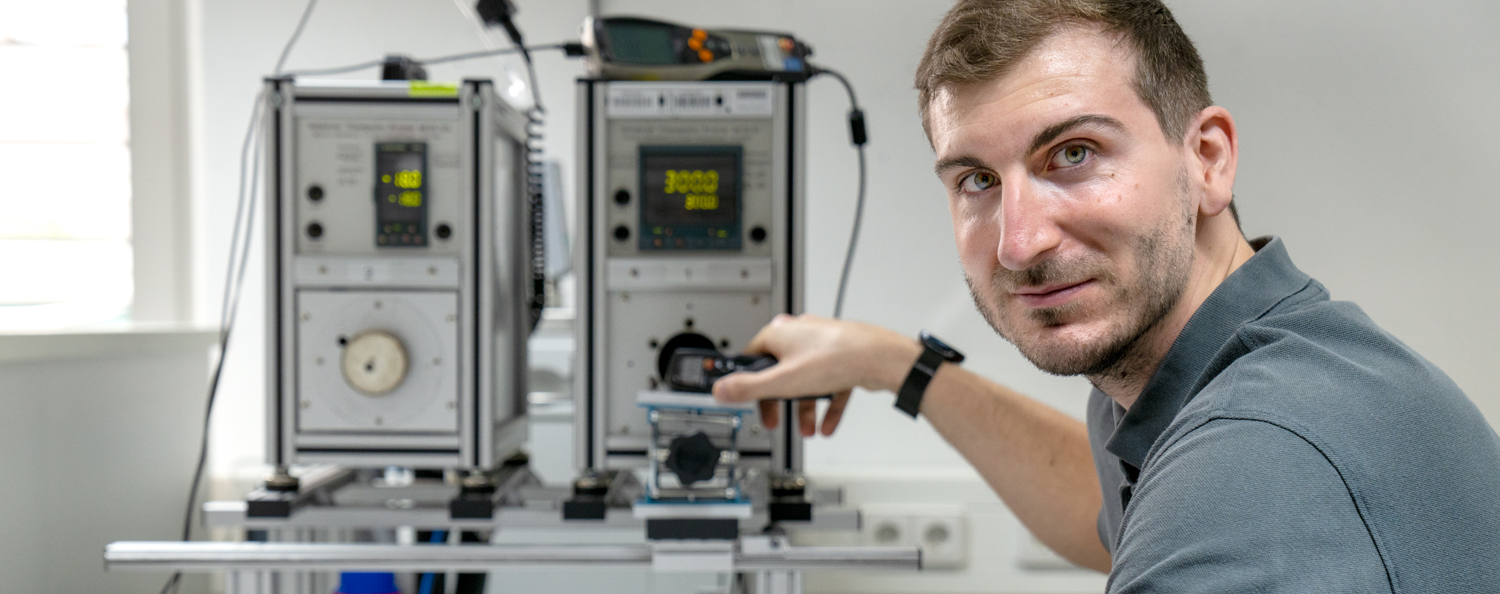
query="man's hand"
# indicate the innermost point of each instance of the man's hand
(819, 356)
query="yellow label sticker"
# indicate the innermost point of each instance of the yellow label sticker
(423, 88)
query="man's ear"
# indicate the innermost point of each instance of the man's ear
(1213, 148)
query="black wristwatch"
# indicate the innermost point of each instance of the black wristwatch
(934, 353)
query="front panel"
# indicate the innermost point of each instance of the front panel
(397, 325)
(693, 229)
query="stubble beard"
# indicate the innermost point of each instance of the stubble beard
(1164, 257)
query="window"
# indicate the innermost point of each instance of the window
(65, 251)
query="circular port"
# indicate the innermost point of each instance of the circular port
(622, 197)
(758, 234)
(444, 231)
(685, 340)
(315, 193)
(314, 230)
(622, 233)
(374, 362)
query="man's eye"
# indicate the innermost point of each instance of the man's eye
(1070, 156)
(979, 181)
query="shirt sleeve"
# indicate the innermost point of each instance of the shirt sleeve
(1241, 505)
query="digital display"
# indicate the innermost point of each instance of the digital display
(690, 197)
(401, 194)
(641, 43)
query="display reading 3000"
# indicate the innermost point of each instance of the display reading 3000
(700, 187)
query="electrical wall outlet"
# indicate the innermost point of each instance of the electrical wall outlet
(885, 530)
(939, 530)
(944, 540)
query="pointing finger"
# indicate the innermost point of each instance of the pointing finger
(835, 412)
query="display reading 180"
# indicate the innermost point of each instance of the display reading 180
(690, 197)
(400, 188)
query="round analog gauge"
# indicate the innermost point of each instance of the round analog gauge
(375, 362)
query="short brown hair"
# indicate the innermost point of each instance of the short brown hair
(982, 40)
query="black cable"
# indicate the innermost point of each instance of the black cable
(857, 137)
(434, 60)
(234, 279)
(524, 51)
(338, 69)
(536, 173)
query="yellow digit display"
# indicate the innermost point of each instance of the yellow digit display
(411, 198)
(409, 179)
(701, 202)
(684, 181)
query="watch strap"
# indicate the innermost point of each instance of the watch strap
(909, 398)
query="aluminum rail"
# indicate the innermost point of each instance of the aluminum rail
(233, 514)
(216, 556)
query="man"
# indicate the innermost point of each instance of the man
(1245, 432)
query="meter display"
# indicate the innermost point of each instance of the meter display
(690, 198)
(642, 42)
(400, 194)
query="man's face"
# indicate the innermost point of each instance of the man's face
(1072, 210)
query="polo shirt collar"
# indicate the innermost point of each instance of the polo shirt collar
(1263, 281)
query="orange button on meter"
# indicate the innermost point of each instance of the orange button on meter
(705, 55)
(700, 34)
(695, 43)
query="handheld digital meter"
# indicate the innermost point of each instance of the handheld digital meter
(632, 48)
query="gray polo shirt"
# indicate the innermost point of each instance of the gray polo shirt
(1288, 444)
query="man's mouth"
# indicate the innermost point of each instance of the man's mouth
(1054, 295)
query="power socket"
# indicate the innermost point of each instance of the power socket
(944, 540)
(882, 529)
(939, 530)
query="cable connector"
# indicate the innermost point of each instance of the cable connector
(573, 49)
(499, 13)
(857, 127)
(399, 67)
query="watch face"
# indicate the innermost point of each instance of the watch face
(941, 347)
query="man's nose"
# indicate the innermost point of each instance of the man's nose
(1027, 230)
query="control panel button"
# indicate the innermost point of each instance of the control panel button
(315, 193)
(622, 197)
(444, 231)
(314, 230)
(622, 233)
(758, 234)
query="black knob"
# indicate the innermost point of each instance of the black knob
(622, 233)
(315, 193)
(444, 231)
(758, 234)
(622, 197)
(314, 230)
(692, 458)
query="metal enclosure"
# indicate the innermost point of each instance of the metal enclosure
(647, 276)
(397, 279)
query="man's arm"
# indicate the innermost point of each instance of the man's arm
(1036, 458)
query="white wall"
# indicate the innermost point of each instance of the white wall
(1365, 130)
(98, 437)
